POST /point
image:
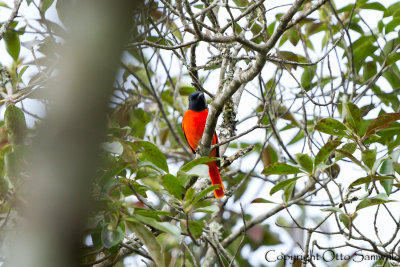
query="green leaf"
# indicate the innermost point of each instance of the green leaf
(45, 4)
(109, 174)
(15, 124)
(269, 155)
(150, 241)
(188, 166)
(391, 9)
(367, 179)
(325, 152)
(352, 115)
(183, 178)
(111, 237)
(347, 220)
(204, 193)
(387, 185)
(262, 200)
(281, 168)
(241, 3)
(382, 122)
(368, 156)
(152, 154)
(13, 44)
(172, 185)
(189, 195)
(369, 70)
(293, 36)
(331, 126)
(362, 51)
(12, 163)
(281, 185)
(152, 213)
(299, 136)
(378, 199)
(162, 226)
(208, 209)
(305, 162)
(349, 147)
(288, 191)
(392, 25)
(332, 209)
(306, 78)
(3, 4)
(21, 72)
(392, 58)
(196, 228)
(374, 6)
(396, 167)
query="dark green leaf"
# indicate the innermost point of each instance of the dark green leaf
(305, 162)
(325, 152)
(352, 115)
(368, 156)
(349, 147)
(15, 124)
(369, 70)
(241, 3)
(196, 228)
(288, 191)
(150, 241)
(262, 200)
(382, 122)
(391, 9)
(306, 78)
(281, 168)
(367, 179)
(162, 226)
(392, 58)
(12, 165)
(45, 4)
(392, 25)
(347, 220)
(374, 6)
(21, 72)
(281, 185)
(387, 185)
(183, 178)
(172, 185)
(109, 174)
(152, 154)
(189, 195)
(204, 193)
(188, 166)
(13, 44)
(299, 136)
(331, 126)
(152, 213)
(396, 167)
(378, 199)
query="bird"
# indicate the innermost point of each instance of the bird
(193, 124)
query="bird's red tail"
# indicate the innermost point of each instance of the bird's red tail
(216, 179)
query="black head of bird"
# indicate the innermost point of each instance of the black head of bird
(197, 101)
